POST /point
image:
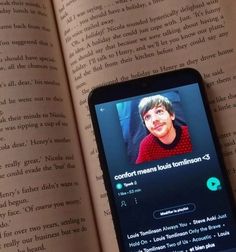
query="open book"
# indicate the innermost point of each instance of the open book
(52, 54)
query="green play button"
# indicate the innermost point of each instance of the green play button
(213, 184)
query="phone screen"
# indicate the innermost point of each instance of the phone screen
(168, 191)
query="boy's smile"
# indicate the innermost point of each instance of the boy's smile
(160, 123)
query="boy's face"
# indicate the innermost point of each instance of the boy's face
(159, 122)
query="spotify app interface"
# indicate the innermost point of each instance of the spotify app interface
(167, 183)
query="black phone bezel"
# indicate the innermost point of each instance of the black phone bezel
(142, 86)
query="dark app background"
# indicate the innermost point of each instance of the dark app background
(171, 187)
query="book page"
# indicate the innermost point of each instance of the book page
(111, 41)
(44, 199)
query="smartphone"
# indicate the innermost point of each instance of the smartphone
(162, 168)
